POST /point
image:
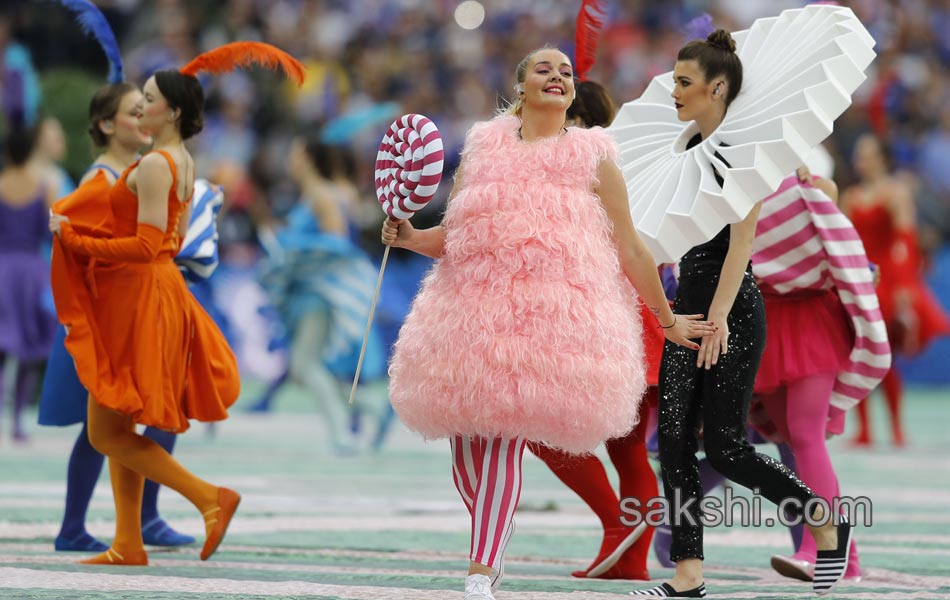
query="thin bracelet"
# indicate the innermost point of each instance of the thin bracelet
(671, 325)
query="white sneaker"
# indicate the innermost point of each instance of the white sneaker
(500, 571)
(478, 587)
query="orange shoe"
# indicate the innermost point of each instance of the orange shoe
(138, 558)
(217, 520)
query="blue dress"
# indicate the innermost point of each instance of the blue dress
(310, 270)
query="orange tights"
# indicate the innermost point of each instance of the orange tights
(132, 458)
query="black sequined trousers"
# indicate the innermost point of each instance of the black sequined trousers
(718, 400)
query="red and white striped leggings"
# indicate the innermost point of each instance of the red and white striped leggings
(487, 475)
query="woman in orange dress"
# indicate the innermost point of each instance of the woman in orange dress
(882, 209)
(143, 347)
(114, 128)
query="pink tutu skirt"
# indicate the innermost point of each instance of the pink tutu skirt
(809, 333)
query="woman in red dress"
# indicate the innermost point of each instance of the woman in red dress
(881, 207)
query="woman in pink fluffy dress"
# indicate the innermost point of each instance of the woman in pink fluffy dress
(527, 328)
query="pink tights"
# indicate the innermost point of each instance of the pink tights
(800, 412)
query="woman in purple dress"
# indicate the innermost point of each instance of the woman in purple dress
(26, 328)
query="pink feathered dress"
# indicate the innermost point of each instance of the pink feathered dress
(526, 326)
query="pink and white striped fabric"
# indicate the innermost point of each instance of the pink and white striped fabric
(803, 242)
(487, 474)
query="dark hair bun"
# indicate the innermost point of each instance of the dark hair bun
(722, 39)
(183, 92)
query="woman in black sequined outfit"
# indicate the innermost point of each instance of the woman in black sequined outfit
(713, 388)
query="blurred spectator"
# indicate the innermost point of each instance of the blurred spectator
(17, 64)
(370, 60)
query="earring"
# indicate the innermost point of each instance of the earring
(519, 88)
(718, 89)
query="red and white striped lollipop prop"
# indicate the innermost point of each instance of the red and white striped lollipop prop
(408, 171)
(408, 165)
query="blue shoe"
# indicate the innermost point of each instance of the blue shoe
(261, 406)
(81, 543)
(158, 533)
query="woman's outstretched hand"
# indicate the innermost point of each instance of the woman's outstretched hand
(687, 328)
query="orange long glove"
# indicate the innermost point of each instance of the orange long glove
(142, 248)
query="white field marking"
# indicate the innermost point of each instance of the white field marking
(136, 580)
(187, 557)
(16, 578)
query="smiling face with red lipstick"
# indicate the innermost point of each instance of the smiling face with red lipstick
(548, 80)
(544, 81)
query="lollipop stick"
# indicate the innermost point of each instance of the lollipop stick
(369, 323)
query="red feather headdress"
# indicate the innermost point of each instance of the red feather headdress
(238, 54)
(590, 23)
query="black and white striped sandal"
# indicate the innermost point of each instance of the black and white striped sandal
(830, 565)
(665, 590)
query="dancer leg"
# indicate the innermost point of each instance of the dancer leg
(681, 405)
(894, 396)
(467, 457)
(306, 367)
(155, 531)
(487, 474)
(805, 412)
(127, 546)
(863, 437)
(112, 434)
(854, 562)
(82, 473)
(267, 398)
(637, 480)
(3, 389)
(732, 455)
(27, 375)
(585, 475)
(496, 498)
(788, 459)
(710, 479)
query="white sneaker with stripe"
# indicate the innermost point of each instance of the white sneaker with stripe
(500, 572)
(478, 587)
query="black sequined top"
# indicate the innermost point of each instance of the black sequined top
(707, 259)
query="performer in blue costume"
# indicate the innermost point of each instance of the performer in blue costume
(322, 285)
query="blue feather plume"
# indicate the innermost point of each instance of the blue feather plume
(699, 28)
(94, 23)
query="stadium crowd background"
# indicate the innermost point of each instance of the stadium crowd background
(370, 60)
